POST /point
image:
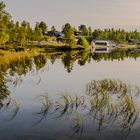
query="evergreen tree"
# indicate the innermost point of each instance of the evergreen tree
(83, 29)
(43, 26)
(53, 29)
(37, 34)
(4, 23)
(89, 31)
(69, 32)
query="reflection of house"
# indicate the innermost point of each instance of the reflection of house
(102, 46)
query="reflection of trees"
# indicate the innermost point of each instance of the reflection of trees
(68, 61)
(68, 58)
(23, 65)
(116, 55)
(4, 92)
(85, 56)
(40, 61)
(15, 68)
(107, 102)
(20, 66)
(6, 102)
(53, 58)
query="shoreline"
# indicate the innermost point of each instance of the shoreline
(9, 49)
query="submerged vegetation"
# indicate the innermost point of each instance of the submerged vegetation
(107, 102)
(112, 99)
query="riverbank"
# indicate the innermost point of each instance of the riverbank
(42, 45)
(52, 45)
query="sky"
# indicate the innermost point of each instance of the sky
(95, 13)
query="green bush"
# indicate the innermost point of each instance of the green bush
(83, 41)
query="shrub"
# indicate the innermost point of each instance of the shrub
(83, 41)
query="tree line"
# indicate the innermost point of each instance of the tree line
(22, 33)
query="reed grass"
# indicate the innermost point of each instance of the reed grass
(106, 102)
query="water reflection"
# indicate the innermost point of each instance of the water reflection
(117, 55)
(85, 57)
(4, 92)
(11, 106)
(106, 103)
(24, 64)
(39, 61)
(68, 61)
(77, 125)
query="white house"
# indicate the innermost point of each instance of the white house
(104, 43)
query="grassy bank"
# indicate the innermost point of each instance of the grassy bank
(53, 45)
(6, 57)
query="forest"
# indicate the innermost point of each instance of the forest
(22, 34)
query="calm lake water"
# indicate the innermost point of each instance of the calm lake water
(70, 95)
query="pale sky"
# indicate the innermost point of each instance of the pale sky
(94, 13)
